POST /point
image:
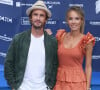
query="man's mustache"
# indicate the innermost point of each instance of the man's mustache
(38, 21)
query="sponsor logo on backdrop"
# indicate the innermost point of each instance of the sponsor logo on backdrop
(64, 22)
(2, 54)
(5, 38)
(80, 5)
(94, 22)
(25, 21)
(50, 4)
(20, 4)
(97, 9)
(96, 57)
(51, 22)
(5, 19)
(97, 39)
(7, 2)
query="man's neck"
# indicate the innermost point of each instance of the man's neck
(37, 32)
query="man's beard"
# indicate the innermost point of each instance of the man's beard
(37, 27)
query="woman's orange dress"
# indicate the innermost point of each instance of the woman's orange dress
(70, 75)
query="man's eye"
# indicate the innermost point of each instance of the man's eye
(34, 14)
(42, 15)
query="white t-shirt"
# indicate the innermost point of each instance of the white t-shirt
(34, 78)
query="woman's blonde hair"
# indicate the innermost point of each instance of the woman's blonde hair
(80, 11)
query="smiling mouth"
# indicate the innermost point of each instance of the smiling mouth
(73, 26)
(37, 23)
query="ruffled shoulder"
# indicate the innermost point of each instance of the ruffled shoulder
(88, 38)
(60, 33)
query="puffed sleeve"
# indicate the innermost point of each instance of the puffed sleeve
(59, 34)
(88, 38)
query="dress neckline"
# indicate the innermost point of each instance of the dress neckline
(75, 45)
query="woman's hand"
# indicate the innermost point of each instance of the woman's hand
(48, 31)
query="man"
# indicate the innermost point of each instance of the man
(31, 62)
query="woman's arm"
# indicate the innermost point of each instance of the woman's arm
(88, 66)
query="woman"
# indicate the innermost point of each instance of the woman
(73, 46)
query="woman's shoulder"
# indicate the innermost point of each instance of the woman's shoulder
(88, 38)
(60, 34)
